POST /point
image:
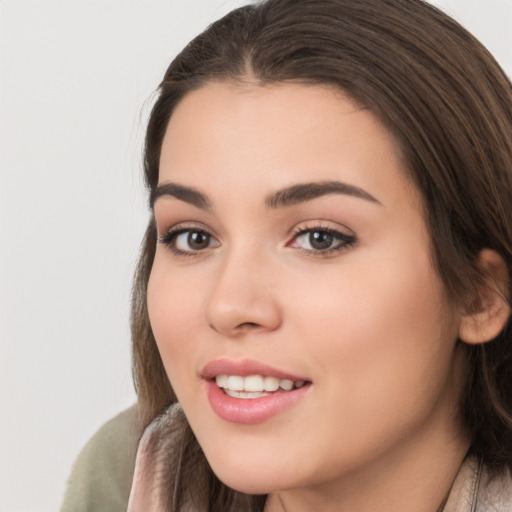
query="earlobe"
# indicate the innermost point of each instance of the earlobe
(491, 309)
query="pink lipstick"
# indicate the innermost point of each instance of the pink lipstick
(250, 392)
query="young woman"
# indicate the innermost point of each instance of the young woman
(320, 315)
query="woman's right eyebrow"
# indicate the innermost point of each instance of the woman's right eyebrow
(181, 192)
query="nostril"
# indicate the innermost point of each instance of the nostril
(249, 325)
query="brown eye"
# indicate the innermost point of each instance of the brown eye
(322, 241)
(188, 241)
(197, 240)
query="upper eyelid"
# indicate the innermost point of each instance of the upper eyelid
(327, 230)
(322, 225)
(185, 226)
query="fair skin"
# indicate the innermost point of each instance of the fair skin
(358, 312)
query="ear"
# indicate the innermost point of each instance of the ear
(491, 309)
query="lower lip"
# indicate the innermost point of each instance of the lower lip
(251, 410)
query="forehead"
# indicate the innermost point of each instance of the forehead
(229, 135)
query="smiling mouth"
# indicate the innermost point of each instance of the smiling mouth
(251, 392)
(255, 386)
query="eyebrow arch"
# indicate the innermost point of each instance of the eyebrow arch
(181, 192)
(307, 191)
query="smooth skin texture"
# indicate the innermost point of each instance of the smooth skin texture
(363, 314)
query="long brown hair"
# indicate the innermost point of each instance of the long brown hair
(449, 106)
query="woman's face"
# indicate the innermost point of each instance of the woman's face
(293, 253)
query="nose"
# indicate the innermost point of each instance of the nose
(243, 299)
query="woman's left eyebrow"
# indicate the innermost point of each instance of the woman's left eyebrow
(307, 191)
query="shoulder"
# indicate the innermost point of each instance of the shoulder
(478, 489)
(102, 474)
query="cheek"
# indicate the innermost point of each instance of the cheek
(173, 312)
(384, 328)
(381, 344)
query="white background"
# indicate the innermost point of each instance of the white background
(76, 79)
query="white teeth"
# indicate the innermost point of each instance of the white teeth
(222, 381)
(286, 384)
(236, 383)
(271, 384)
(255, 385)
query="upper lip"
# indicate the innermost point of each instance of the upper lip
(245, 367)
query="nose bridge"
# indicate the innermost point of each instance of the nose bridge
(242, 297)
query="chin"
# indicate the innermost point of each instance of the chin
(248, 483)
(249, 476)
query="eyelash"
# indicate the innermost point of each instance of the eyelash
(169, 240)
(345, 241)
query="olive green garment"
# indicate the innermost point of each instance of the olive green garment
(101, 477)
